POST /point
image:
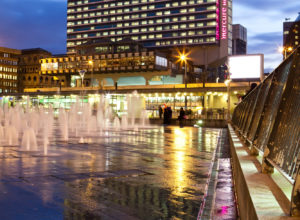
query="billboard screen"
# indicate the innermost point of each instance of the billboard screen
(49, 66)
(246, 66)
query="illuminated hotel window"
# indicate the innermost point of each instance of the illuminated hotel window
(211, 15)
(211, 23)
(183, 10)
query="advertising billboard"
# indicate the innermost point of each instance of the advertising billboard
(246, 66)
(49, 66)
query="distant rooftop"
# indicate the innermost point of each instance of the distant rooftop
(32, 50)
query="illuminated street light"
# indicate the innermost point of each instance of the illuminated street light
(227, 83)
(183, 57)
(92, 65)
(284, 50)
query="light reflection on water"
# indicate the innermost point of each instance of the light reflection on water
(151, 174)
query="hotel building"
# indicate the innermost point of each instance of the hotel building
(291, 36)
(202, 27)
(9, 70)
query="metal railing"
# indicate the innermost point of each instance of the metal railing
(269, 119)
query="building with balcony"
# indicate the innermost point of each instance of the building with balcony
(201, 27)
(9, 70)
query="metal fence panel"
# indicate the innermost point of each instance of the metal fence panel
(283, 142)
(252, 104)
(263, 93)
(272, 103)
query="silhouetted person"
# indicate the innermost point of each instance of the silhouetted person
(181, 117)
(160, 110)
(166, 116)
(169, 115)
(253, 85)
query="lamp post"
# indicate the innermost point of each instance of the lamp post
(183, 59)
(92, 65)
(81, 73)
(227, 83)
(284, 51)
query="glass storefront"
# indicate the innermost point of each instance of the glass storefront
(197, 105)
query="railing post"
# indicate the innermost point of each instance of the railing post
(266, 166)
(295, 200)
(253, 150)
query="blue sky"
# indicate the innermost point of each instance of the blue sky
(42, 23)
(264, 22)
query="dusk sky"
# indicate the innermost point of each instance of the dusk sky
(42, 23)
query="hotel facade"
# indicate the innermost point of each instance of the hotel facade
(201, 27)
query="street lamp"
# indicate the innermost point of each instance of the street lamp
(184, 59)
(92, 65)
(81, 73)
(284, 50)
(227, 83)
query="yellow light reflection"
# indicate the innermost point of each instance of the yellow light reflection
(179, 160)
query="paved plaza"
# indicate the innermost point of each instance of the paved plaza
(155, 173)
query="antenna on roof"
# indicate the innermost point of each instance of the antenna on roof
(287, 19)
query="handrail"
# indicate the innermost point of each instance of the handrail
(269, 119)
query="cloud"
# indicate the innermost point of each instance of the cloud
(264, 23)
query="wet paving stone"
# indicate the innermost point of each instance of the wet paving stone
(157, 173)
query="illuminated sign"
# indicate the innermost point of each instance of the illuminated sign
(49, 66)
(224, 22)
(218, 20)
(246, 66)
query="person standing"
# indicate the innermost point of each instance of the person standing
(160, 111)
(166, 116)
(181, 117)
